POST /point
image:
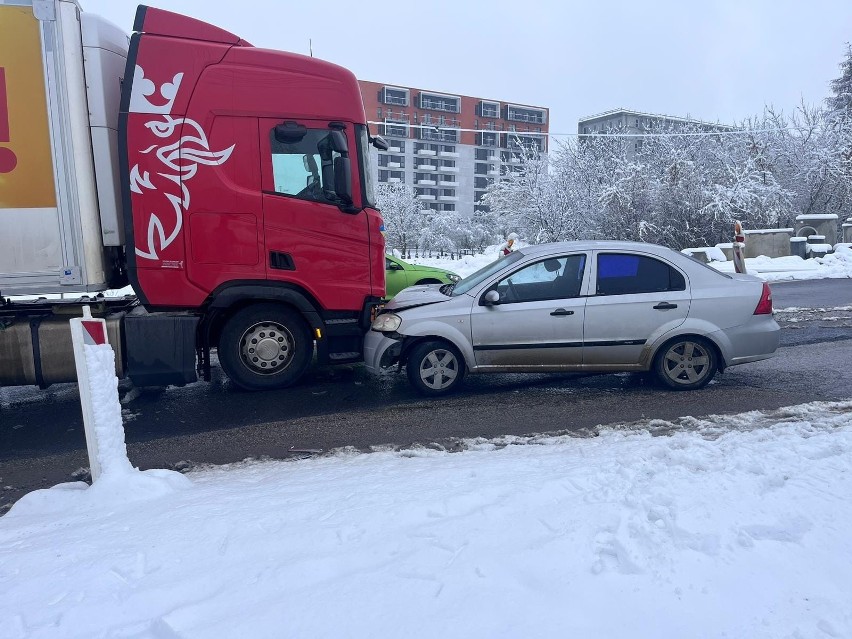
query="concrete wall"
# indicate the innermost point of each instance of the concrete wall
(769, 242)
(823, 224)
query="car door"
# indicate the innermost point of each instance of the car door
(635, 297)
(538, 321)
(396, 278)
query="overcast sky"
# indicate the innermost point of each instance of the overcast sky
(714, 60)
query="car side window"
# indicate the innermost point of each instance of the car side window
(551, 279)
(624, 274)
(296, 166)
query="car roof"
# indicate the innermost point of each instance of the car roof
(599, 245)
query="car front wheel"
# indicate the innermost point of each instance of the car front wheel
(435, 368)
(686, 363)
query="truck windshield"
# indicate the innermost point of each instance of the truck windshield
(368, 184)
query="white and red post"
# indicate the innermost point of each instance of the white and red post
(89, 331)
(738, 248)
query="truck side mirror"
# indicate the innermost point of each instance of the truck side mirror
(338, 142)
(380, 143)
(343, 180)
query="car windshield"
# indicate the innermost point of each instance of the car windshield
(472, 280)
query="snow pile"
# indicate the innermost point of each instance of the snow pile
(713, 253)
(466, 265)
(778, 269)
(106, 409)
(119, 482)
(728, 526)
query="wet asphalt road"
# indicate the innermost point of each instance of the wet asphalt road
(42, 441)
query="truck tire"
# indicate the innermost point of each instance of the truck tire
(265, 346)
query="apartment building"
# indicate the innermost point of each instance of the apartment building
(637, 122)
(448, 147)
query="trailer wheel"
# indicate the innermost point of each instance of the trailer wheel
(265, 346)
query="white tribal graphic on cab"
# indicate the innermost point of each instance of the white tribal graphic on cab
(180, 158)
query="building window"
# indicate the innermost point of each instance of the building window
(395, 96)
(523, 114)
(392, 161)
(391, 176)
(440, 135)
(440, 102)
(489, 109)
(486, 139)
(395, 129)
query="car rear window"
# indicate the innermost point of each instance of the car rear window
(625, 273)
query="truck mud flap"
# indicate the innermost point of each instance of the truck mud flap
(161, 349)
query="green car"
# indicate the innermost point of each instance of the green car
(399, 275)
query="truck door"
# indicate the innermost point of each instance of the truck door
(310, 238)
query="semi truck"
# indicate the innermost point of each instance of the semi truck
(229, 186)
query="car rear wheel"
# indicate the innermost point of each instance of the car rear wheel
(265, 346)
(435, 368)
(686, 363)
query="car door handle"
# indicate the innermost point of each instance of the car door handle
(665, 306)
(562, 311)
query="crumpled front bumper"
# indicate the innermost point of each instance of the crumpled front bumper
(380, 352)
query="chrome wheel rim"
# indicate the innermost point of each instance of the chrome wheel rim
(267, 348)
(686, 363)
(439, 369)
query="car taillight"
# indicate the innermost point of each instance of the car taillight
(764, 306)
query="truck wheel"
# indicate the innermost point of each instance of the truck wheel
(265, 346)
(435, 368)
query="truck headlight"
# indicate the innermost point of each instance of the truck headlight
(453, 277)
(387, 323)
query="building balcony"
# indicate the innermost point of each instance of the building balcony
(451, 169)
(426, 152)
(396, 149)
(448, 183)
(393, 180)
(394, 165)
(426, 182)
(427, 167)
(426, 197)
(448, 154)
(448, 198)
(494, 172)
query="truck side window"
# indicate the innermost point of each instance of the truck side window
(297, 167)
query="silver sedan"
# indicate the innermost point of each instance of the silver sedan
(578, 306)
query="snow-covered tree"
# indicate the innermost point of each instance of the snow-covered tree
(841, 87)
(402, 214)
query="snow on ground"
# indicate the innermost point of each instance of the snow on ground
(771, 269)
(779, 269)
(731, 526)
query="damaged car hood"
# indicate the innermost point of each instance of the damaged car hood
(417, 296)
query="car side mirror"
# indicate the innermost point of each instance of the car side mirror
(491, 298)
(393, 266)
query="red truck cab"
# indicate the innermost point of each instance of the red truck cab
(248, 197)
